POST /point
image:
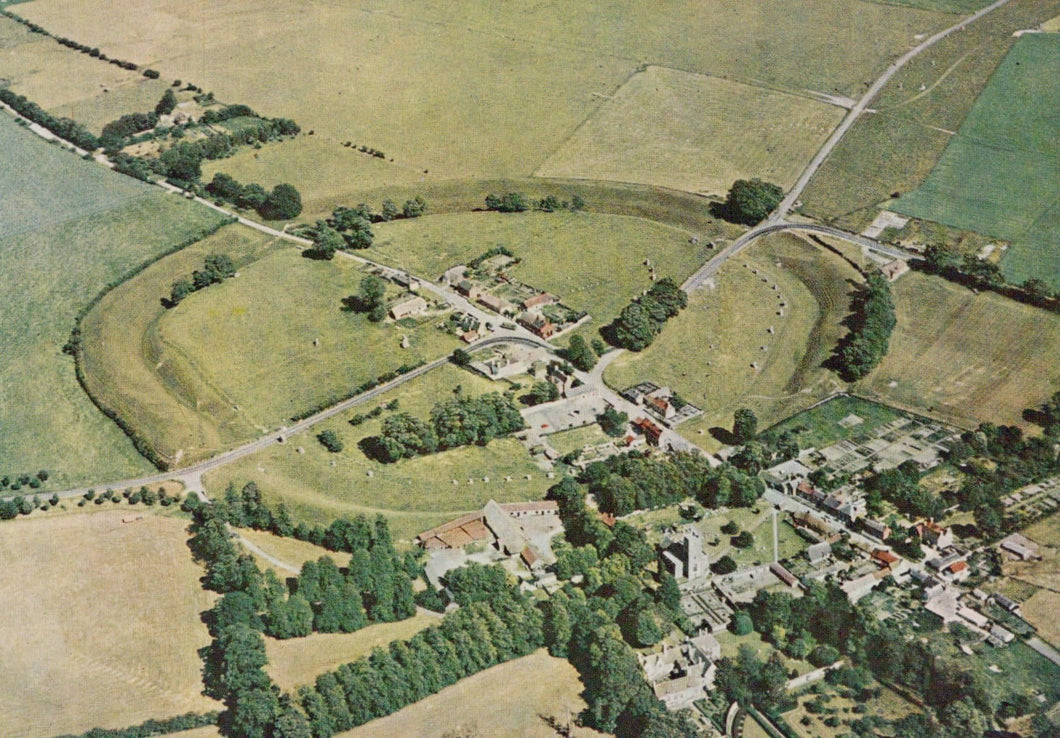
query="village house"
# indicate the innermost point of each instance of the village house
(468, 289)
(408, 308)
(538, 300)
(651, 431)
(933, 534)
(494, 303)
(537, 324)
(787, 476)
(680, 675)
(876, 529)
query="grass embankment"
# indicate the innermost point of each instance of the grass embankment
(966, 358)
(127, 651)
(73, 228)
(414, 494)
(707, 353)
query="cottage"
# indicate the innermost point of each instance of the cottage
(407, 308)
(884, 559)
(661, 407)
(651, 431)
(492, 302)
(933, 534)
(537, 324)
(468, 289)
(538, 300)
(876, 529)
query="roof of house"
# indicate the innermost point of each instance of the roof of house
(536, 506)
(538, 299)
(884, 556)
(957, 566)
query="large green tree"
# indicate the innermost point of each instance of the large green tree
(751, 200)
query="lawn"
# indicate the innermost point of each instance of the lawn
(577, 438)
(707, 353)
(689, 132)
(917, 115)
(299, 661)
(820, 426)
(46, 421)
(414, 494)
(964, 357)
(592, 262)
(889, 705)
(126, 652)
(290, 551)
(507, 700)
(487, 90)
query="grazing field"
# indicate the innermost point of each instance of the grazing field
(130, 369)
(592, 262)
(290, 551)
(917, 115)
(474, 77)
(690, 132)
(707, 353)
(507, 700)
(414, 494)
(299, 661)
(964, 357)
(820, 426)
(126, 652)
(46, 421)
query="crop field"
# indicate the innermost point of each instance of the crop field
(689, 132)
(414, 494)
(966, 358)
(820, 426)
(46, 420)
(290, 551)
(102, 623)
(299, 661)
(129, 369)
(446, 57)
(707, 353)
(592, 262)
(918, 114)
(506, 700)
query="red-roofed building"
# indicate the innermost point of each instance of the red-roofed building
(538, 300)
(651, 431)
(884, 559)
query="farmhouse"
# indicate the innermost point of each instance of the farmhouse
(407, 308)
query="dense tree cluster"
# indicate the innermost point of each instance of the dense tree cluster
(370, 299)
(643, 319)
(579, 354)
(750, 201)
(283, 202)
(354, 225)
(187, 721)
(17, 481)
(462, 421)
(540, 392)
(744, 425)
(64, 128)
(612, 422)
(749, 680)
(128, 125)
(871, 322)
(512, 202)
(216, 269)
(901, 487)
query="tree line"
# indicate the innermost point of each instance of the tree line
(643, 319)
(871, 322)
(971, 271)
(92, 51)
(148, 728)
(64, 128)
(283, 202)
(462, 421)
(516, 202)
(216, 269)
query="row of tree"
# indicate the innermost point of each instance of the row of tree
(516, 202)
(462, 421)
(283, 202)
(970, 270)
(64, 128)
(92, 51)
(216, 269)
(148, 728)
(643, 319)
(871, 322)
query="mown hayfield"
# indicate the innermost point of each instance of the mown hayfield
(129, 369)
(592, 262)
(111, 226)
(690, 132)
(507, 700)
(917, 115)
(966, 358)
(414, 494)
(706, 353)
(486, 90)
(299, 661)
(102, 622)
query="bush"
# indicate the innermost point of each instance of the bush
(724, 565)
(283, 203)
(331, 441)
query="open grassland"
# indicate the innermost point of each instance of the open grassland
(690, 132)
(277, 340)
(126, 651)
(129, 369)
(964, 357)
(917, 115)
(67, 82)
(290, 551)
(999, 174)
(819, 426)
(507, 700)
(1040, 611)
(475, 79)
(592, 262)
(707, 352)
(299, 661)
(414, 494)
(52, 272)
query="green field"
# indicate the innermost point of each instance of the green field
(1000, 175)
(51, 272)
(819, 426)
(707, 352)
(916, 115)
(576, 439)
(944, 6)
(592, 262)
(414, 494)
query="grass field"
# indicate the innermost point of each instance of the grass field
(945, 6)
(966, 358)
(592, 262)
(290, 551)
(451, 59)
(690, 132)
(46, 421)
(507, 700)
(918, 114)
(577, 438)
(299, 661)
(1040, 611)
(706, 353)
(414, 494)
(819, 427)
(102, 623)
